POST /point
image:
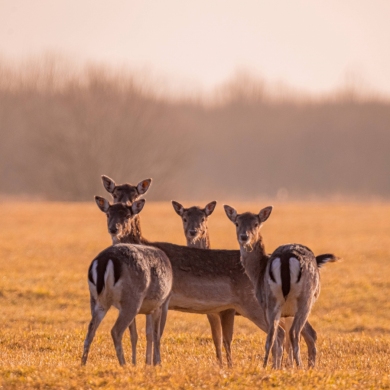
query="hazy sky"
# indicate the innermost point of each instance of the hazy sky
(312, 45)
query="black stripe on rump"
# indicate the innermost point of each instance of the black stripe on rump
(285, 273)
(90, 278)
(102, 263)
(271, 275)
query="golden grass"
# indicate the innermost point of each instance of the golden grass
(45, 251)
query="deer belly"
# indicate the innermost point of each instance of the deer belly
(156, 295)
(149, 305)
(201, 295)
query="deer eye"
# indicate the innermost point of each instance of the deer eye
(256, 225)
(202, 219)
(185, 219)
(237, 224)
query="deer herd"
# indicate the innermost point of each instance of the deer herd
(276, 292)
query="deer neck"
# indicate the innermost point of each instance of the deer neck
(134, 234)
(254, 260)
(203, 242)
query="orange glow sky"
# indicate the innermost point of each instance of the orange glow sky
(311, 45)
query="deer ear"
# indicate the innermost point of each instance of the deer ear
(231, 213)
(143, 186)
(178, 208)
(265, 213)
(210, 208)
(108, 184)
(102, 203)
(137, 206)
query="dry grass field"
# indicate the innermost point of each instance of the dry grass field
(46, 249)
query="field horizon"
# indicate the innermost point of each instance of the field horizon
(46, 249)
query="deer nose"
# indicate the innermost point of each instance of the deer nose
(244, 237)
(192, 233)
(112, 230)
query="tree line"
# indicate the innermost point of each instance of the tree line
(61, 131)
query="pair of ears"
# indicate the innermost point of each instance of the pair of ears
(141, 187)
(135, 208)
(209, 208)
(232, 213)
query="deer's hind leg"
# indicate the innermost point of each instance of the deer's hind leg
(164, 315)
(125, 318)
(98, 314)
(252, 312)
(156, 318)
(134, 341)
(287, 341)
(310, 336)
(300, 319)
(149, 339)
(272, 341)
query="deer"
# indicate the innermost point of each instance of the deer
(195, 224)
(208, 281)
(136, 279)
(286, 283)
(128, 193)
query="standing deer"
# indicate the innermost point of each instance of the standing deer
(286, 284)
(135, 279)
(211, 281)
(196, 232)
(128, 193)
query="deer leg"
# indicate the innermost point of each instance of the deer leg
(299, 321)
(92, 302)
(97, 317)
(287, 343)
(156, 318)
(227, 322)
(277, 349)
(149, 338)
(216, 332)
(164, 315)
(310, 336)
(274, 318)
(134, 340)
(123, 321)
(250, 311)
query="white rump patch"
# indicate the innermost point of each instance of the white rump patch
(275, 269)
(276, 287)
(94, 272)
(295, 269)
(109, 277)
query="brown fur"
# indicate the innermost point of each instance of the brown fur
(121, 233)
(221, 266)
(308, 285)
(139, 283)
(195, 224)
(128, 193)
(257, 266)
(205, 281)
